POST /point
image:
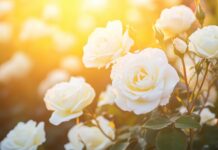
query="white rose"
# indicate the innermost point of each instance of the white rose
(175, 20)
(6, 6)
(54, 77)
(51, 12)
(34, 29)
(207, 117)
(25, 136)
(142, 81)
(63, 41)
(180, 45)
(18, 66)
(68, 99)
(105, 45)
(72, 64)
(106, 97)
(92, 138)
(204, 42)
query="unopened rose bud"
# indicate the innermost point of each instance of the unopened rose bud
(180, 45)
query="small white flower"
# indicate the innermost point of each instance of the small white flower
(94, 5)
(34, 29)
(105, 45)
(18, 66)
(182, 110)
(106, 97)
(72, 64)
(6, 32)
(207, 117)
(175, 20)
(204, 42)
(6, 6)
(25, 136)
(54, 77)
(153, 4)
(143, 81)
(92, 138)
(68, 99)
(51, 12)
(180, 45)
(63, 41)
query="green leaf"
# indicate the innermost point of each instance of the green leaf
(171, 139)
(187, 121)
(119, 146)
(157, 123)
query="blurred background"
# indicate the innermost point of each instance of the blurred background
(41, 44)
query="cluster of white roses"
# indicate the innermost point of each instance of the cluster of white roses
(141, 81)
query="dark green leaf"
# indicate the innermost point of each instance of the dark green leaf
(157, 123)
(187, 121)
(171, 139)
(151, 136)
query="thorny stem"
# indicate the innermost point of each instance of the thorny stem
(196, 84)
(98, 125)
(191, 133)
(207, 96)
(202, 83)
(186, 82)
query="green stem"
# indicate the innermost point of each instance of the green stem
(202, 83)
(98, 125)
(186, 82)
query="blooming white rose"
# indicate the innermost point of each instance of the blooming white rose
(6, 32)
(204, 42)
(175, 20)
(68, 99)
(180, 45)
(18, 66)
(207, 117)
(105, 45)
(107, 97)
(142, 81)
(34, 29)
(54, 77)
(92, 138)
(25, 136)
